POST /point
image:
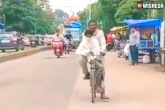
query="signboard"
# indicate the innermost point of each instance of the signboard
(147, 44)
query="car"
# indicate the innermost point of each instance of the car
(49, 40)
(26, 41)
(11, 40)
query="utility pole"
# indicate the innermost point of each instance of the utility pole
(90, 10)
(162, 40)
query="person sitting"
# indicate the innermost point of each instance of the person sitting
(99, 36)
(90, 46)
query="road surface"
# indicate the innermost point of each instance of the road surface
(38, 82)
(43, 82)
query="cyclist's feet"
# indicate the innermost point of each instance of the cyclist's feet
(103, 96)
(99, 89)
(87, 76)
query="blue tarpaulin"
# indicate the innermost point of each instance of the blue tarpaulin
(75, 25)
(1, 26)
(143, 23)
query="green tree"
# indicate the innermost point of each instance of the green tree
(28, 16)
(111, 12)
(128, 10)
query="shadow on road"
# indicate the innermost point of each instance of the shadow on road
(9, 82)
(47, 58)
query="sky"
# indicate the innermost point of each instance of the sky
(68, 5)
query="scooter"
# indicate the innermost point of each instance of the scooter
(121, 50)
(109, 46)
(42, 42)
(58, 48)
(33, 43)
(67, 46)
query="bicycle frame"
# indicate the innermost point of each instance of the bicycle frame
(93, 77)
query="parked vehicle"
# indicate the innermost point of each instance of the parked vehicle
(109, 46)
(26, 41)
(33, 41)
(121, 50)
(42, 41)
(109, 42)
(58, 47)
(49, 39)
(11, 40)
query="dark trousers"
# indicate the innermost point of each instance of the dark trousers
(134, 53)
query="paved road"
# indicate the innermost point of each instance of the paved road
(12, 51)
(129, 87)
(46, 83)
(42, 83)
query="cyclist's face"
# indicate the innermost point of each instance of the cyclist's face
(93, 26)
(88, 35)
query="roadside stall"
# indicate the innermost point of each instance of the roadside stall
(147, 28)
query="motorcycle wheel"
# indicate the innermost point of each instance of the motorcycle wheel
(109, 47)
(119, 55)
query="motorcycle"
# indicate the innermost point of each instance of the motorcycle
(33, 43)
(67, 46)
(120, 50)
(58, 48)
(109, 46)
(42, 42)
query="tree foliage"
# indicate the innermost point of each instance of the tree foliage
(109, 13)
(27, 16)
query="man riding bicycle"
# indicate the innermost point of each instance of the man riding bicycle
(99, 35)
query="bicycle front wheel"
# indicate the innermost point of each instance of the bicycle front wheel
(92, 84)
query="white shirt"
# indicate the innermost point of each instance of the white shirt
(99, 35)
(86, 46)
(134, 38)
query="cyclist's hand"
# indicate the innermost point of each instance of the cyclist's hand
(91, 53)
(102, 53)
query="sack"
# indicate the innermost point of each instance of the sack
(157, 59)
(126, 50)
(146, 59)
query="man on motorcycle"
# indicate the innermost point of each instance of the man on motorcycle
(68, 36)
(99, 35)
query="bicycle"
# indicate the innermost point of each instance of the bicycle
(93, 77)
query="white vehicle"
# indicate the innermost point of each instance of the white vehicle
(49, 39)
(26, 41)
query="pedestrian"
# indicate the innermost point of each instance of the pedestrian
(134, 39)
